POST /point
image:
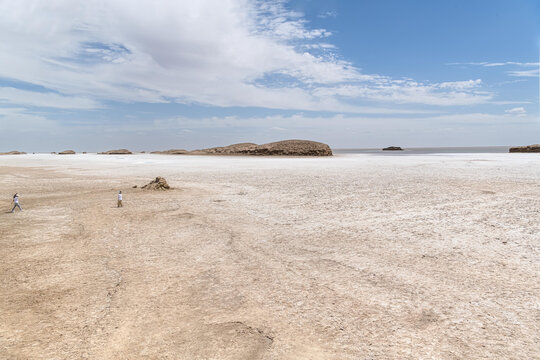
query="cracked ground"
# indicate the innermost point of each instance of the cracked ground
(342, 258)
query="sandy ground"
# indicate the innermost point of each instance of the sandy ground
(350, 257)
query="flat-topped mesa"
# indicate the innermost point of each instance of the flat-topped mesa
(279, 148)
(171, 152)
(392, 148)
(14, 152)
(117, 152)
(67, 152)
(233, 149)
(528, 148)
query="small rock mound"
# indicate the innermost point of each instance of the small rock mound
(392, 148)
(529, 148)
(117, 152)
(13, 153)
(235, 149)
(158, 183)
(171, 152)
(67, 152)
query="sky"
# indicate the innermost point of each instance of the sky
(93, 75)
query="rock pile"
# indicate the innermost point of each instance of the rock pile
(117, 152)
(529, 148)
(13, 153)
(158, 183)
(392, 148)
(279, 148)
(171, 152)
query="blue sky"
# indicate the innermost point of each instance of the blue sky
(165, 74)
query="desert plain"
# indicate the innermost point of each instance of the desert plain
(354, 256)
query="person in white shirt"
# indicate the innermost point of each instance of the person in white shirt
(120, 199)
(16, 202)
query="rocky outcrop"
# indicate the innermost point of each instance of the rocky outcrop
(234, 149)
(13, 153)
(117, 152)
(171, 152)
(279, 148)
(67, 152)
(158, 183)
(528, 148)
(392, 148)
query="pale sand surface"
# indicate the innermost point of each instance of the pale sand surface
(350, 257)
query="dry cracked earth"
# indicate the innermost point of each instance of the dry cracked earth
(347, 261)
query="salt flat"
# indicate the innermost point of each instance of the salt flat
(350, 257)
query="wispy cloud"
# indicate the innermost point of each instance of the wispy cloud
(409, 91)
(534, 72)
(525, 73)
(494, 64)
(21, 120)
(517, 111)
(460, 85)
(11, 96)
(327, 14)
(212, 52)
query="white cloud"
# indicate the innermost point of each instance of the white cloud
(494, 64)
(408, 91)
(327, 14)
(10, 95)
(519, 73)
(19, 120)
(215, 52)
(460, 85)
(525, 73)
(517, 111)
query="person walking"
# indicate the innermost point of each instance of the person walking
(120, 199)
(16, 202)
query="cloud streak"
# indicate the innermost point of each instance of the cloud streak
(534, 72)
(10, 95)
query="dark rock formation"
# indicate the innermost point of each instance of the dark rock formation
(283, 148)
(67, 152)
(392, 148)
(117, 152)
(171, 152)
(529, 148)
(158, 183)
(13, 153)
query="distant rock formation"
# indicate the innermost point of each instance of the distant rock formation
(528, 148)
(392, 148)
(14, 152)
(158, 183)
(283, 148)
(171, 152)
(117, 152)
(67, 152)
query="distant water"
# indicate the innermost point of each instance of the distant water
(428, 150)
